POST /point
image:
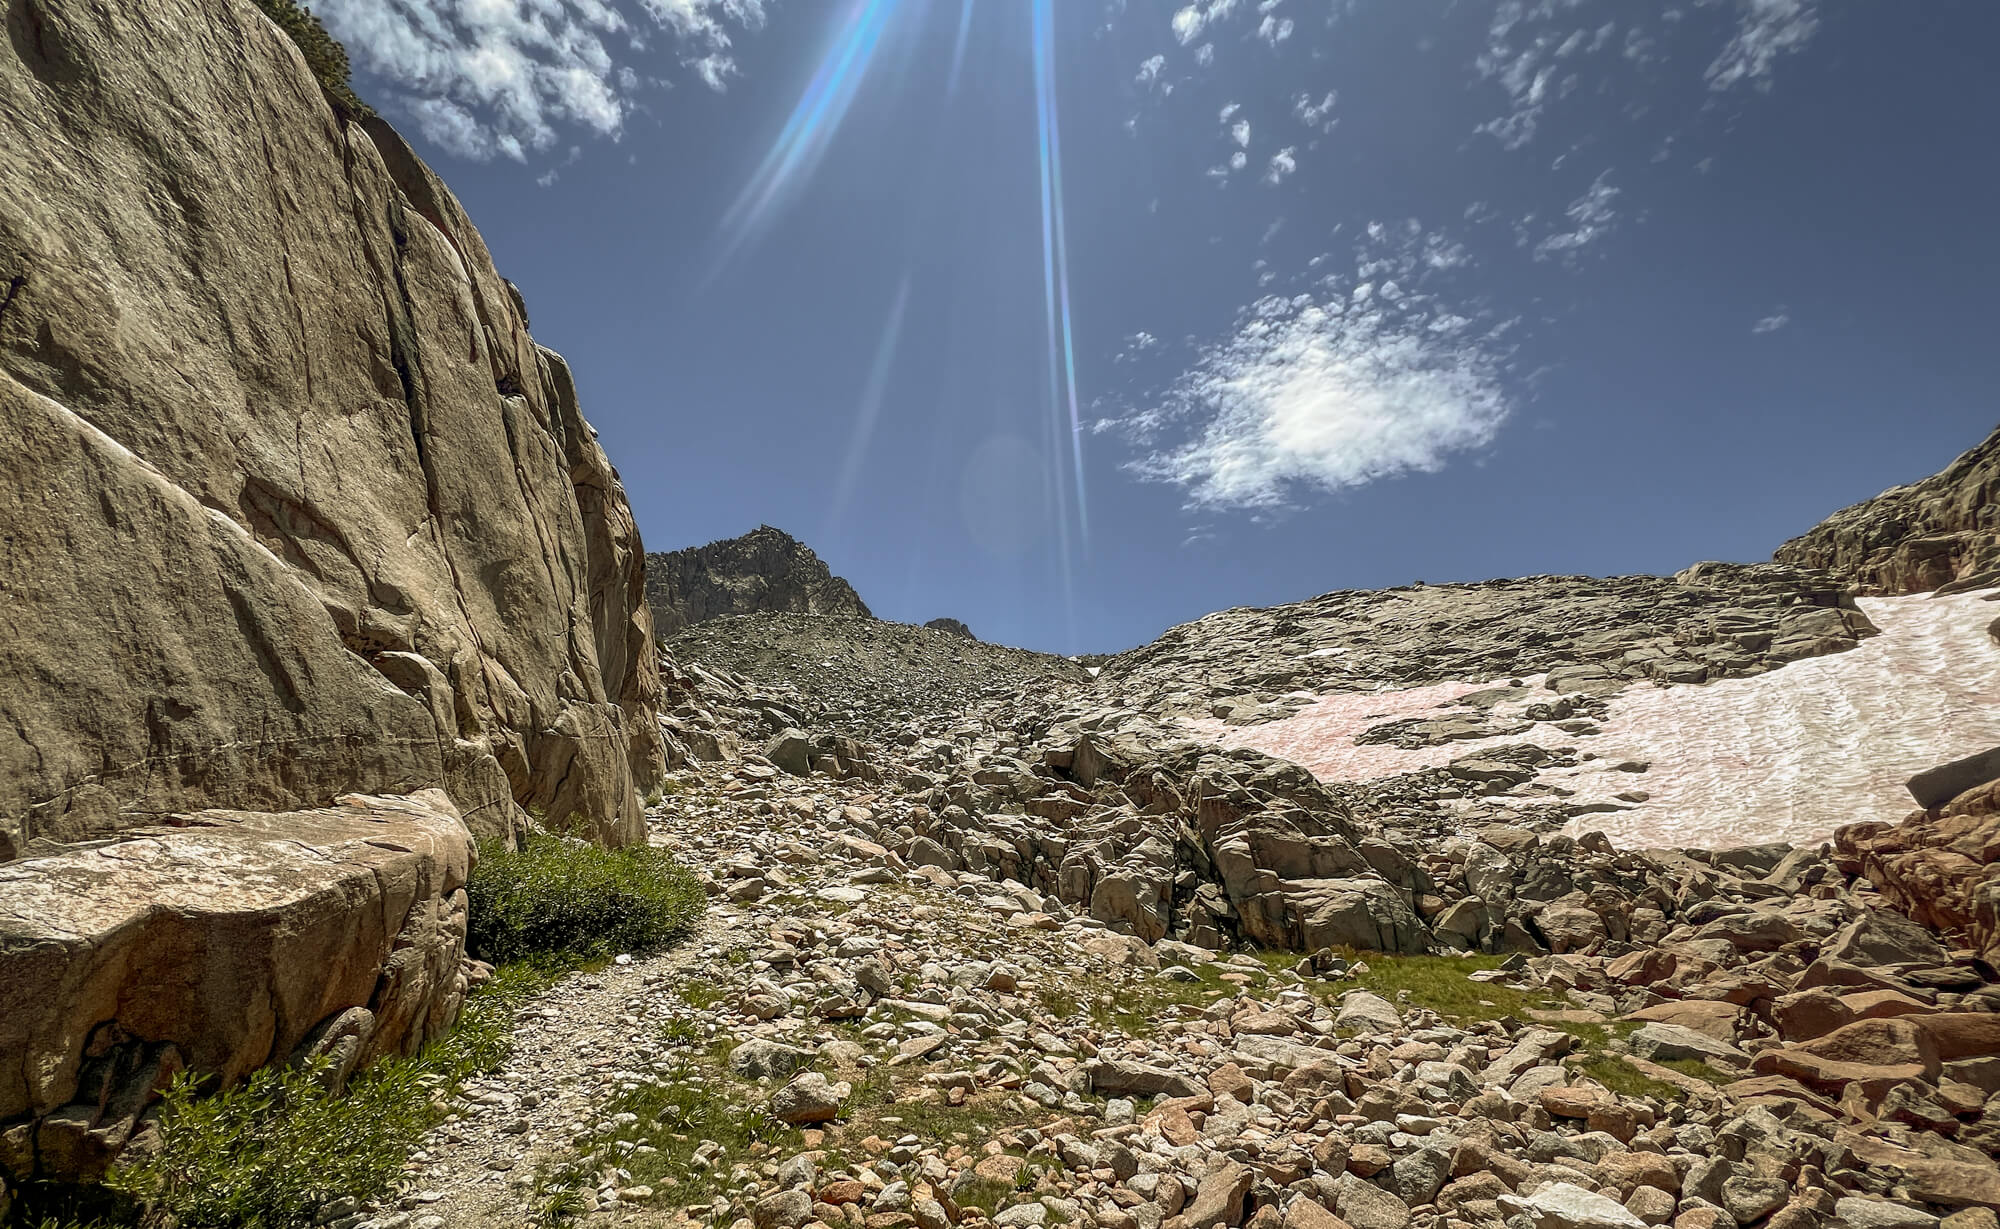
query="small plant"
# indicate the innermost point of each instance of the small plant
(558, 898)
(270, 1152)
(323, 53)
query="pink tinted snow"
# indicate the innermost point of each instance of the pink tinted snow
(1785, 756)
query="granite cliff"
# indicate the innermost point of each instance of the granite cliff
(312, 570)
(295, 506)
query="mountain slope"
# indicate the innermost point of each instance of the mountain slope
(1939, 531)
(765, 571)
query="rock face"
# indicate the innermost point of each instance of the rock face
(1942, 867)
(766, 571)
(1941, 531)
(295, 506)
(219, 943)
(953, 626)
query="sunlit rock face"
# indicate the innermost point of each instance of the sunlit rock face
(219, 942)
(1940, 533)
(766, 571)
(294, 504)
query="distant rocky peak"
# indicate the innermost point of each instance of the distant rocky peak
(764, 571)
(953, 626)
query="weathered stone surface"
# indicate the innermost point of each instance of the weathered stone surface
(223, 942)
(1941, 868)
(765, 571)
(295, 506)
(1935, 532)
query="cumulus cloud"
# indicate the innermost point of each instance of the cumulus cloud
(1189, 22)
(1275, 30)
(1765, 30)
(1150, 69)
(506, 78)
(1369, 377)
(1592, 216)
(1283, 163)
(1315, 114)
(1772, 323)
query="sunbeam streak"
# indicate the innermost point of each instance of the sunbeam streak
(872, 394)
(958, 47)
(813, 124)
(1055, 261)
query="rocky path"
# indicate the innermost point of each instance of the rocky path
(855, 1042)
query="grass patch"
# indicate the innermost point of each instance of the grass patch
(560, 898)
(1699, 1070)
(1626, 1080)
(323, 52)
(1140, 1007)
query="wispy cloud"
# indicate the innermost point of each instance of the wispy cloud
(1369, 377)
(1282, 164)
(1772, 323)
(1765, 30)
(507, 78)
(1592, 216)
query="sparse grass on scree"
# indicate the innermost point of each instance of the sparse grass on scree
(273, 1151)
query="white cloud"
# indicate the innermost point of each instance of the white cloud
(1283, 163)
(1772, 323)
(1238, 160)
(1239, 132)
(1149, 70)
(1315, 114)
(1765, 30)
(1364, 380)
(505, 78)
(1592, 216)
(1189, 22)
(1275, 30)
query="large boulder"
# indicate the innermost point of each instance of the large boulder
(1940, 867)
(219, 943)
(295, 505)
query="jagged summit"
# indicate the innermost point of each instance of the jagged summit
(765, 571)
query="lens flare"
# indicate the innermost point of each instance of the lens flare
(872, 394)
(813, 124)
(958, 48)
(1055, 261)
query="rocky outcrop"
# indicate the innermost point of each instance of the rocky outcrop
(766, 571)
(295, 506)
(1712, 621)
(953, 626)
(1943, 531)
(220, 942)
(1942, 866)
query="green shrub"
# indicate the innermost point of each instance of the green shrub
(557, 898)
(323, 52)
(272, 1151)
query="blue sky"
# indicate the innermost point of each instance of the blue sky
(1076, 319)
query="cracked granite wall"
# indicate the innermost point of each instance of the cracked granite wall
(293, 504)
